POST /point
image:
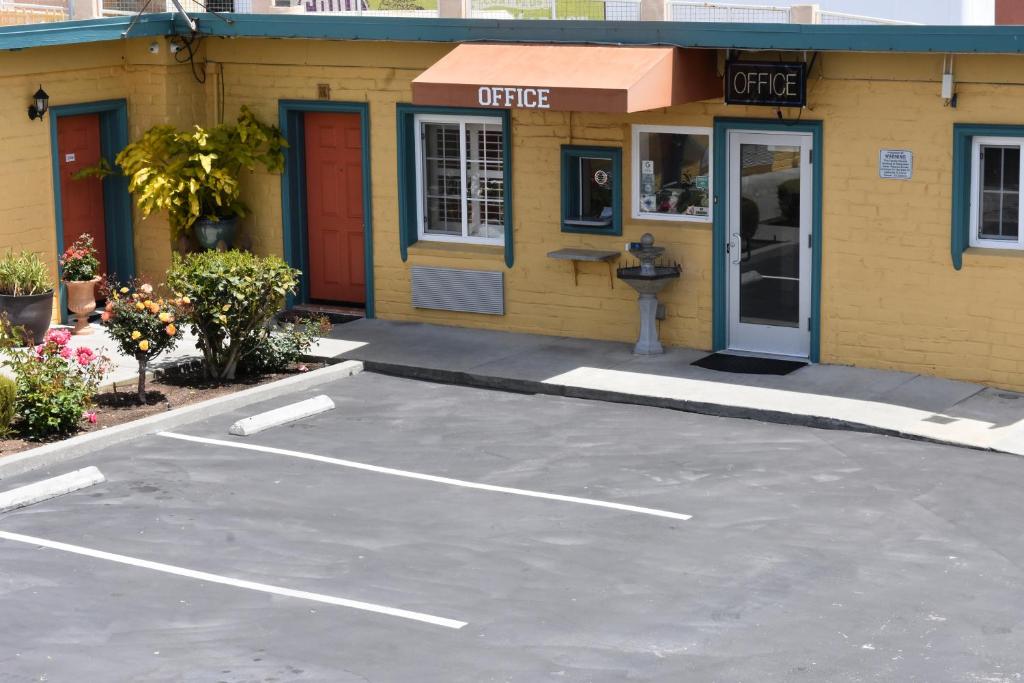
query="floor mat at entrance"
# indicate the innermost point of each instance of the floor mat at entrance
(748, 365)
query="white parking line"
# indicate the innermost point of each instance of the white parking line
(237, 583)
(428, 477)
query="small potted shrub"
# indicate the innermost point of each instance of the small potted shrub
(79, 269)
(26, 294)
(144, 326)
(194, 175)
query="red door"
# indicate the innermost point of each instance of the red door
(78, 146)
(334, 207)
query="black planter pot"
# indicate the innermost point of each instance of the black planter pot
(211, 233)
(32, 311)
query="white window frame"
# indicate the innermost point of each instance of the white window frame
(634, 200)
(975, 239)
(421, 187)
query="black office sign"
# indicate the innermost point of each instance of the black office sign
(766, 84)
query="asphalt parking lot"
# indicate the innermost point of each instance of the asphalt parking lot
(339, 548)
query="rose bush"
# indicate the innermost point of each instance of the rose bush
(144, 326)
(56, 384)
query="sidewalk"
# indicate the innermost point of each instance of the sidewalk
(829, 396)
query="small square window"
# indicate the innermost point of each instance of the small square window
(671, 173)
(592, 190)
(995, 193)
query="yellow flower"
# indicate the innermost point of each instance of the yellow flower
(124, 290)
(185, 300)
(171, 330)
(141, 306)
(144, 345)
(136, 334)
(166, 317)
(226, 308)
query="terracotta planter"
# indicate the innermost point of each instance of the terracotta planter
(82, 302)
(32, 312)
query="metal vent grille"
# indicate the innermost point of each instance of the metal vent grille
(470, 291)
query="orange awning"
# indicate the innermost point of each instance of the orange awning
(568, 78)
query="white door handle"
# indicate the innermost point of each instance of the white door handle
(734, 248)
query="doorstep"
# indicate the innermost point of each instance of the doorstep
(824, 396)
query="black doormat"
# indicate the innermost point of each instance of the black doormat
(748, 365)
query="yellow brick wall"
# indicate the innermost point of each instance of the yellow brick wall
(157, 91)
(890, 297)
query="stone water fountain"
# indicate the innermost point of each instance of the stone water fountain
(648, 278)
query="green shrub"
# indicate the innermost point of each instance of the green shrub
(8, 397)
(228, 299)
(283, 347)
(24, 273)
(56, 384)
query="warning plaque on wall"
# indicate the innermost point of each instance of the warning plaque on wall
(896, 164)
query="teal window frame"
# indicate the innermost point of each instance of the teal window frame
(963, 142)
(408, 220)
(571, 154)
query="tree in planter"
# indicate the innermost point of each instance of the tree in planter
(194, 175)
(232, 298)
(143, 326)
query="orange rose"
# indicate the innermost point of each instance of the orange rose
(171, 330)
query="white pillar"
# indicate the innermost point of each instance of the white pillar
(85, 9)
(450, 9)
(652, 10)
(804, 14)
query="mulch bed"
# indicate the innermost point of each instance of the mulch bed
(165, 392)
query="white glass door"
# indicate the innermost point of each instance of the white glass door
(769, 242)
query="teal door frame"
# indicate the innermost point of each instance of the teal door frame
(117, 202)
(719, 268)
(293, 189)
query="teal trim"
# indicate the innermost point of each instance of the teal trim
(963, 140)
(117, 202)
(571, 155)
(85, 31)
(408, 226)
(293, 189)
(719, 267)
(738, 36)
(735, 36)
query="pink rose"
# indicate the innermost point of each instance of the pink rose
(91, 416)
(85, 355)
(59, 336)
(65, 352)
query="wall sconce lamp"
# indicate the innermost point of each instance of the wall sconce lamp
(40, 103)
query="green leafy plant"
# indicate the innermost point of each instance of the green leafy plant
(56, 385)
(23, 274)
(8, 397)
(228, 299)
(144, 326)
(78, 262)
(195, 174)
(284, 346)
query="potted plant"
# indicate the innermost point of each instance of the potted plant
(194, 175)
(79, 268)
(26, 293)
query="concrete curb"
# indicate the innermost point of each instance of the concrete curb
(525, 386)
(69, 449)
(38, 491)
(299, 410)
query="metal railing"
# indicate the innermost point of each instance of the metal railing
(676, 10)
(593, 10)
(17, 13)
(845, 18)
(123, 8)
